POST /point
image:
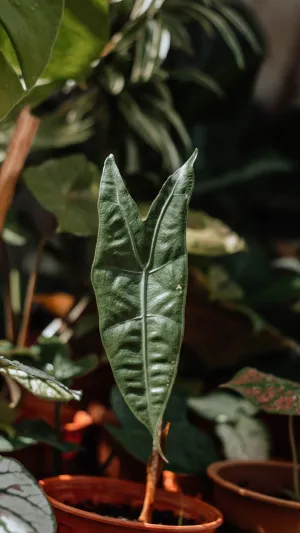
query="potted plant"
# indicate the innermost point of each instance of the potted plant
(262, 495)
(139, 276)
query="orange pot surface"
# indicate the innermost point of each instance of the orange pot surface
(80, 488)
(245, 492)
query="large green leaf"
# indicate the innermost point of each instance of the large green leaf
(39, 383)
(81, 38)
(139, 276)
(267, 392)
(26, 41)
(67, 187)
(189, 450)
(24, 507)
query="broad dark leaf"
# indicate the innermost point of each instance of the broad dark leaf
(30, 432)
(67, 187)
(37, 382)
(139, 276)
(189, 450)
(24, 507)
(267, 392)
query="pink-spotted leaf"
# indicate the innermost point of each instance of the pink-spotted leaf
(269, 393)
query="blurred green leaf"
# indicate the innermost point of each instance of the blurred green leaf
(209, 236)
(30, 26)
(68, 188)
(242, 26)
(55, 359)
(81, 39)
(30, 432)
(194, 75)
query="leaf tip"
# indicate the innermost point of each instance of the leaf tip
(193, 156)
(110, 159)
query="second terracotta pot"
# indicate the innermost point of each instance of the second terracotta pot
(65, 492)
(248, 494)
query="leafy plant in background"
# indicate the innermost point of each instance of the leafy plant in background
(272, 395)
(139, 276)
(241, 434)
(189, 450)
(144, 55)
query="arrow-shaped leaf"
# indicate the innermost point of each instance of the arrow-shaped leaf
(37, 382)
(267, 392)
(23, 506)
(140, 278)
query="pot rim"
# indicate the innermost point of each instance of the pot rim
(126, 523)
(214, 472)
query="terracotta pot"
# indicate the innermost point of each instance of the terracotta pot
(245, 492)
(80, 488)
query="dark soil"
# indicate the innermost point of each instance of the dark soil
(126, 512)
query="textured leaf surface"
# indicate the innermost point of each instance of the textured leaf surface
(23, 506)
(67, 187)
(39, 383)
(267, 392)
(28, 26)
(189, 451)
(139, 276)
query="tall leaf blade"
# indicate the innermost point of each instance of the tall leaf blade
(139, 277)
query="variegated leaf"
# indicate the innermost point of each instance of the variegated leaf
(267, 392)
(37, 382)
(23, 506)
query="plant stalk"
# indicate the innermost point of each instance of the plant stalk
(154, 470)
(23, 333)
(17, 152)
(294, 457)
(8, 310)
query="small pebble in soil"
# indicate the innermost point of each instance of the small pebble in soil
(126, 512)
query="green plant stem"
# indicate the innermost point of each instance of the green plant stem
(56, 453)
(294, 457)
(23, 333)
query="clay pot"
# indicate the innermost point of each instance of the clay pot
(245, 491)
(80, 488)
